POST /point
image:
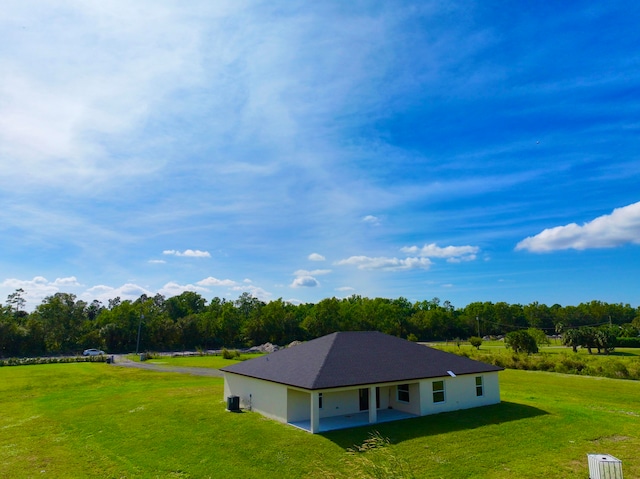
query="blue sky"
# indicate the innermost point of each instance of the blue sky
(484, 151)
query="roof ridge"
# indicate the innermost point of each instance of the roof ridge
(324, 360)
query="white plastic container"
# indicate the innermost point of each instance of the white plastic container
(604, 466)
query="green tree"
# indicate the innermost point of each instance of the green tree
(573, 338)
(17, 303)
(324, 318)
(62, 320)
(12, 334)
(521, 342)
(606, 339)
(185, 304)
(589, 338)
(229, 323)
(118, 326)
(538, 315)
(539, 335)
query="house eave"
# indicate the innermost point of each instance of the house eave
(390, 382)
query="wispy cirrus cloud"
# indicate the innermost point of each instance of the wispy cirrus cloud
(188, 253)
(386, 264)
(372, 220)
(453, 254)
(620, 227)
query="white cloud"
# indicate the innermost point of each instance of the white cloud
(211, 281)
(345, 288)
(316, 257)
(157, 261)
(372, 220)
(70, 281)
(453, 254)
(306, 279)
(620, 227)
(174, 289)
(190, 253)
(305, 282)
(386, 264)
(38, 288)
(104, 293)
(255, 291)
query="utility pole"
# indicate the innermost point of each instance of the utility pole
(139, 328)
(478, 322)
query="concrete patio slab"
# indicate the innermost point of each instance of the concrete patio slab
(353, 420)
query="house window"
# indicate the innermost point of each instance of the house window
(403, 392)
(479, 386)
(319, 400)
(438, 391)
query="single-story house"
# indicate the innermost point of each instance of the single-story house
(355, 378)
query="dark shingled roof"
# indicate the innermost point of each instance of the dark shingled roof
(355, 358)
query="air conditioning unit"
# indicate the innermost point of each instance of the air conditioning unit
(233, 403)
(604, 466)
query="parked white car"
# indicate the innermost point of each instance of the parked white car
(92, 352)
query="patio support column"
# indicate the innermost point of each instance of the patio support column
(373, 410)
(315, 413)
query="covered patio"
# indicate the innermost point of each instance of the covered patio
(352, 420)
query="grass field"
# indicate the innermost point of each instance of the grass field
(623, 363)
(210, 361)
(96, 420)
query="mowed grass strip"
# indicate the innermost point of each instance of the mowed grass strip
(96, 420)
(215, 362)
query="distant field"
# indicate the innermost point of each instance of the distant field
(96, 420)
(215, 362)
(554, 347)
(623, 363)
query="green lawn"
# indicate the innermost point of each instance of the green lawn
(96, 420)
(215, 362)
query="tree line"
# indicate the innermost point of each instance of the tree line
(63, 324)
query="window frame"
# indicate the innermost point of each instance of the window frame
(479, 387)
(438, 395)
(402, 393)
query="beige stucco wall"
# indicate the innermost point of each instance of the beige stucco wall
(339, 403)
(285, 404)
(460, 393)
(269, 399)
(298, 405)
(413, 406)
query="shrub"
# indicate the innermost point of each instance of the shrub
(233, 354)
(475, 341)
(628, 342)
(30, 361)
(374, 459)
